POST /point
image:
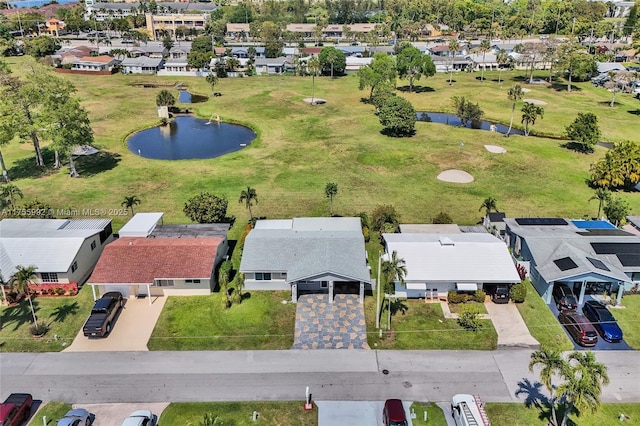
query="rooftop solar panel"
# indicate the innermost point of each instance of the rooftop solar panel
(606, 232)
(616, 248)
(544, 221)
(629, 259)
(598, 264)
(565, 264)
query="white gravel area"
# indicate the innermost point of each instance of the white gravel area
(495, 149)
(455, 176)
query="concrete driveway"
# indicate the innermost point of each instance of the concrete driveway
(130, 332)
(354, 413)
(114, 414)
(511, 328)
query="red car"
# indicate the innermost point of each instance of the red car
(393, 413)
(579, 327)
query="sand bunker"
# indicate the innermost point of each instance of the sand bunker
(534, 101)
(316, 101)
(455, 176)
(525, 90)
(495, 149)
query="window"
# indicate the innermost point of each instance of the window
(49, 277)
(74, 266)
(93, 245)
(164, 283)
(263, 276)
(192, 281)
(323, 284)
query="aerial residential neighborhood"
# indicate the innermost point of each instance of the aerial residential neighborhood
(404, 213)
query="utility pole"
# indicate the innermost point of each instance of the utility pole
(378, 285)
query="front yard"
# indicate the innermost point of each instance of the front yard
(517, 414)
(192, 323)
(629, 318)
(423, 326)
(65, 316)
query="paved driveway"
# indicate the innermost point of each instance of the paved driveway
(511, 328)
(354, 413)
(130, 332)
(324, 325)
(114, 414)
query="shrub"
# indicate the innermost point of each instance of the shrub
(479, 296)
(397, 116)
(519, 292)
(207, 208)
(384, 214)
(366, 234)
(522, 271)
(455, 297)
(59, 291)
(442, 218)
(469, 319)
(39, 330)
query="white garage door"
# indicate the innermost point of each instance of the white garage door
(126, 290)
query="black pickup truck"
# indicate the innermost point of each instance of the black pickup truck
(102, 315)
(16, 409)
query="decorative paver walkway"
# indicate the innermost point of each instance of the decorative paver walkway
(324, 325)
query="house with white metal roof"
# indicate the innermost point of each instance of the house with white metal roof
(311, 255)
(590, 256)
(439, 263)
(62, 250)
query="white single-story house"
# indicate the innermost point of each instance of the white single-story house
(102, 63)
(590, 256)
(488, 61)
(141, 65)
(318, 255)
(354, 63)
(439, 263)
(62, 250)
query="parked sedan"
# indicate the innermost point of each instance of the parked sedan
(75, 417)
(602, 320)
(564, 297)
(140, 418)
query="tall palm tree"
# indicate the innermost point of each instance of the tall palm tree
(584, 379)
(248, 196)
(212, 79)
(313, 66)
(602, 195)
(485, 46)
(454, 46)
(394, 269)
(488, 204)
(530, 112)
(502, 57)
(9, 192)
(20, 282)
(515, 94)
(552, 364)
(330, 191)
(129, 202)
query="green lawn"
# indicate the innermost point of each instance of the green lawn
(435, 416)
(53, 411)
(459, 307)
(516, 414)
(300, 148)
(65, 315)
(542, 324)
(280, 413)
(423, 326)
(628, 319)
(201, 323)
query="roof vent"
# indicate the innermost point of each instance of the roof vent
(130, 243)
(446, 241)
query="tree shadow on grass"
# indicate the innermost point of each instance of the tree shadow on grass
(395, 134)
(26, 167)
(19, 314)
(91, 165)
(634, 112)
(608, 103)
(416, 89)
(562, 87)
(62, 312)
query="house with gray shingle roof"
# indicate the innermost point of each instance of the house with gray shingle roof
(306, 255)
(141, 65)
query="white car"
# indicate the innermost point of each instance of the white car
(75, 417)
(140, 418)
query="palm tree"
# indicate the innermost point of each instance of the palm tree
(330, 191)
(552, 364)
(502, 57)
(515, 94)
(212, 79)
(248, 197)
(394, 269)
(488, 204)
(584, 378)
(602, 195)
(4, 294)
(10, 191)
(454, 46)
(530, 112)
(485, 46)
(20, 282)
(129, 202)
(313, 66)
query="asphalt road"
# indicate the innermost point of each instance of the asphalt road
(348, 375)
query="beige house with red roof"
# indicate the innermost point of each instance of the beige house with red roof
(102, 63)
(161, 266)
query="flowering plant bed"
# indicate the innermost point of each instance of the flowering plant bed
(54, 289)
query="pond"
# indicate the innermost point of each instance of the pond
(188, 137)
(452, 120)
(185, 97)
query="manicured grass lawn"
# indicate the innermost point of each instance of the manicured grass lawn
(424, 327)
(53, 411)
(65, 315)
(261, 321)
(515, 414)
(460, 307)
(541, 322)
(300, 148)
(280, 413)
(435, 416)
(628, 319)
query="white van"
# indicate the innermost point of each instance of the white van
(468, 410)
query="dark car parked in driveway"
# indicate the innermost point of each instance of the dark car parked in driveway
(103, 313)
(579, 328)
(602, 320)
(564, 297)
